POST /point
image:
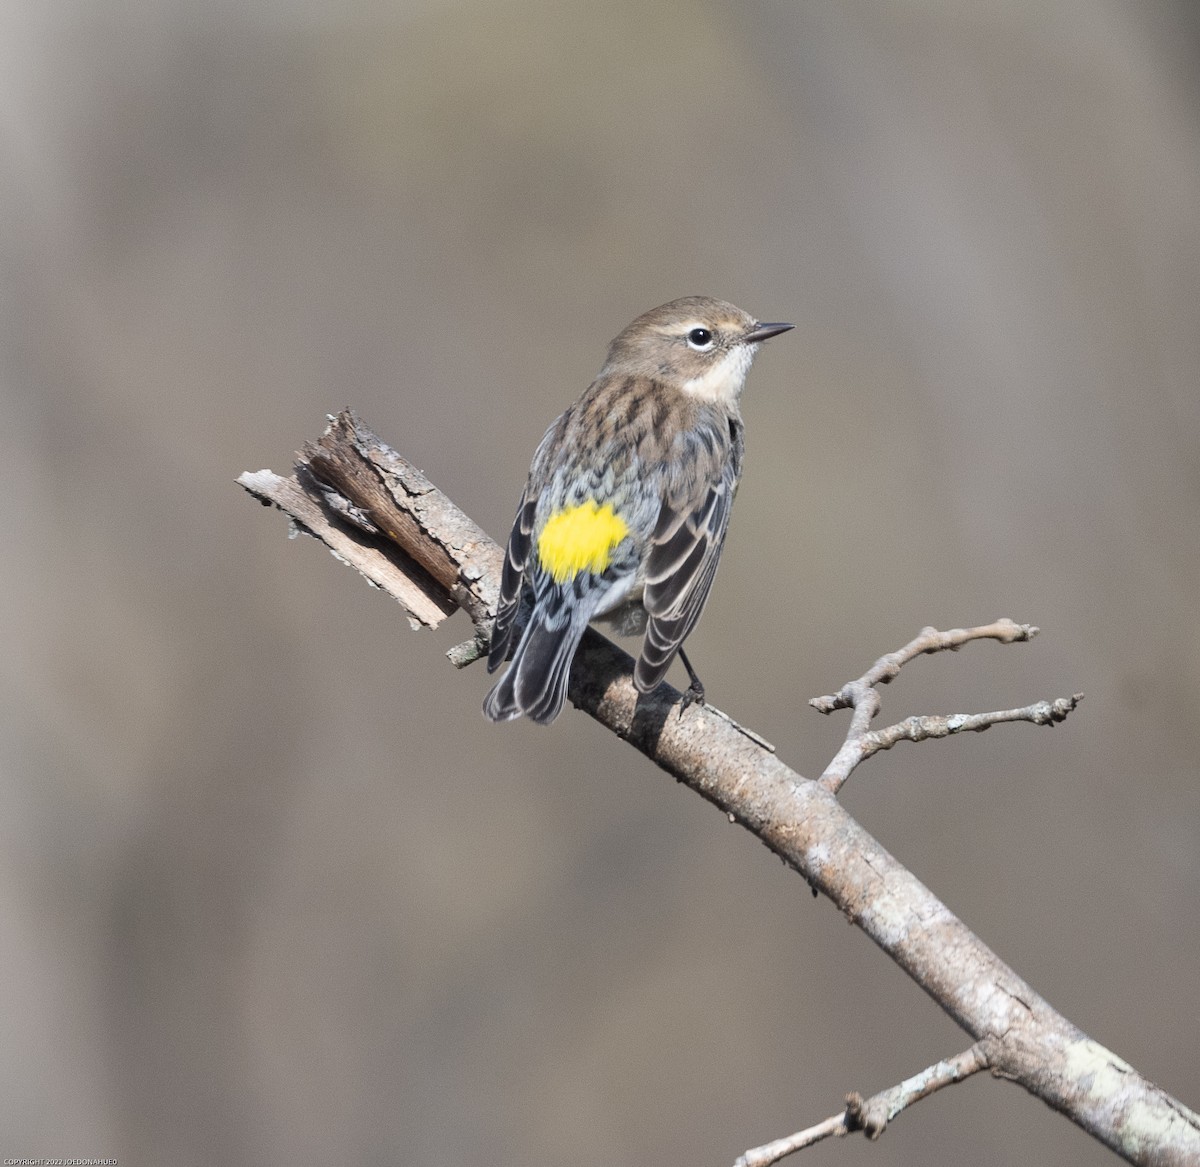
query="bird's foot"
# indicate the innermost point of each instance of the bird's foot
(692, 695)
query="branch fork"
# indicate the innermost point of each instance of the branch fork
(863, 697)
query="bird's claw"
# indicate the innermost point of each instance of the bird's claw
(692, 695)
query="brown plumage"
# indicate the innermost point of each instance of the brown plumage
(625, 510)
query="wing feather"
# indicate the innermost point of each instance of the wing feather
(682, 564)
(516, 556)
(520, 544)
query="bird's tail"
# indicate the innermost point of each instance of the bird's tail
(535, 683)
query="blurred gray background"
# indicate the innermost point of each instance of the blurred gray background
(271, 890)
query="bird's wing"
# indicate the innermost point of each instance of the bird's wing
(520, 543)
(685, 549)
(516, 555)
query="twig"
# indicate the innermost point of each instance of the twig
(863, 696)
(1023, 1036)
(835, 1126)
(928, 640)
(871, 1115)
(930, 726)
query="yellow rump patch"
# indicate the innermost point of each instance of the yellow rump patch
(580, 538)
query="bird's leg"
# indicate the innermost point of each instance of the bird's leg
(694, 695)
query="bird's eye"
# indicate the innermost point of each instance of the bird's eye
(700, 339)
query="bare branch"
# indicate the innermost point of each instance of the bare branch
(835, 1126)
(928, 640)
(863, 696)
(872, 1115)
(928, 727)
(380, 562)
(1023, 1037)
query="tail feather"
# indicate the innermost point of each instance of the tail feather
(501, 704)
(535, 682)
(541, 683)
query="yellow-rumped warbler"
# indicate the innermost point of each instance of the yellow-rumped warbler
(627, 503)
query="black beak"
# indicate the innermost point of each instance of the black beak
(765, 332)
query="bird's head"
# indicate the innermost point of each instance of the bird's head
(703, 347)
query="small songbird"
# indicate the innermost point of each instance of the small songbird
(624, 514)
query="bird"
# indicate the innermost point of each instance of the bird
(624, 513)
